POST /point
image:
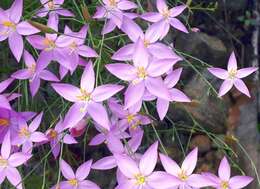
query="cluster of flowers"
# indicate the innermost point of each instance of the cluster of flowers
(150, 77)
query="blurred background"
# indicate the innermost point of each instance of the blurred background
(230, 125)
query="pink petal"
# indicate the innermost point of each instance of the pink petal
(126, 5)
(4, 102)
(179, 96)
(136, 141)
(134, 94)
(104, 92)
(38, 137)
(68, 139)
(6, 146)
(87, 81)
(178, 25)
(133, 31)
(86, 51)
(36, 41)
(169, 165)
(152, 16)
(96, 140)
(127, 166)
(238, 182)
(28, 59)
(225, 87)
(35, 85)
(198, 181)
(69, 92)
(66, 170)
(190, 162)
(241, 86)
(157, 87)
(232, 62)
(172, 79)
(18, 159)
(162, 180)
(123, 71)
(4, 84)
(65, 12)
(14, 176)
(219, 72)
(128, 184)
(176, 11)
(100, 13)
(159, 67)
(245, 72)
(108, 27)
(149, 160)
(161, 5)
(224, 170)
(114, 144)
(165, 51)
(35, 123)
(124, 53)
(105, 163)
(15, 11)
(83, 170)
(140, 56)
(24, 28)
(99, 114)
(154, 32)
(162, 107)
(87, 184)
(48, 76)
(22, 74)
(15, 42)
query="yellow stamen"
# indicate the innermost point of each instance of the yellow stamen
(182, 175)
(49, 43)
(24, 132)
(4, 122)
(166, 13)
(146, 43)
(9, 24)
(140, 179)
(130, 118)
(51, 5)
(112, 3)
(135, 125)
(141, 72)
(52, 134)
(3, 162)
(85, 96)
(232, 73)
(224, 185)
(73, 182)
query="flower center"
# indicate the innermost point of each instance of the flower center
(32, 68)
(49, 43)
(140, 179)
(130, 118)
(51, 5)
(166, 13)
(182, 175)
(52, 134)
(4, 122)
(9, 24)
(112, 3)
(146, 43)
(232, 73)
(136, 124)
(3, 162)
(141, 72)
(224, 185)
(85, 96)
(24, 132)
(73, 182)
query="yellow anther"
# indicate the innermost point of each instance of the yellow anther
(232, 73)
(3, 162)
(9, 24)
(52, 134)
(4, 122)
(182, 175)
(24, 132)
(166, 13)
(112, 3)
(224, 185)
(140, 179)
(146, 43)
(141, 72)
(49, 43)
(130, 118)
(84, 96)
(73, 182)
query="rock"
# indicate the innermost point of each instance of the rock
(202, 142)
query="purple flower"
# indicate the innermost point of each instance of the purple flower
(56, 136)
(140, 175)
(142, 75)
(149, 39)
(4, 100)
(74, 42)
(13, 29)
(184, 173)
(232, 76)
(27, 135)
(76, 180)
(35, 71)
(51, 50)
(166, 17)
(116, 147)
(9, 162)
(129, 117)
(87, 99)
(9, 121)
(53, 7)
(176, 95)
(224, 181)
(113, 12)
